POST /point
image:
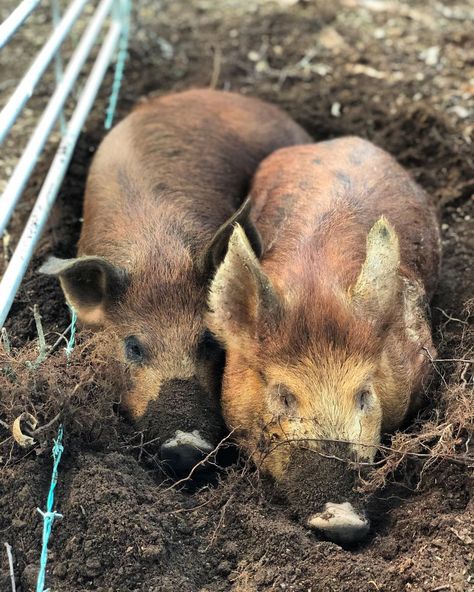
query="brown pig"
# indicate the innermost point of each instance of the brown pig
(328, 343)
(160, 203)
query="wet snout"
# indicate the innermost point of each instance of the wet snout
(186, 421)
(320, 487)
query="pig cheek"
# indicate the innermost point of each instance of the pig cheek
(367, 434)
(143, 387)
(279, 439)
(242, 402)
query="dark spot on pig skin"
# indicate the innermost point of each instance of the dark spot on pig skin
(283, 210)
(304, 185)
(344, 179)
(316, 161)
(129, 189)
(356, 158)
(161, 188)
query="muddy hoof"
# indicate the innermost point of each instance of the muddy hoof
(340, 523)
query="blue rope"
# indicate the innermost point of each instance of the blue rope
(72, 337)
(50, 514)
(124, 8)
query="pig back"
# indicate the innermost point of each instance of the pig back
(183, 161)
(315, 205)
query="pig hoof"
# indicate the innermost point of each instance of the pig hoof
(340, 523)
(183, 452)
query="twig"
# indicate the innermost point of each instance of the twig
(59, 339)
(216, 67)
(43, 348)
(6, 341)
(10, 563)
(453, 360)
(450, 318)
(219, 524)
(457, 459)
(34, 433)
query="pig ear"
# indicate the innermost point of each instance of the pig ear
(89, 285)
(241, 295)
(216, 249)
(378, 283)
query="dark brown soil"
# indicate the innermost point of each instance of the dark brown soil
(400, 74)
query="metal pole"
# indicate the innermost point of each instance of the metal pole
(39, 215)
(25, 88)
(58, 62)
(16, 19)
(38, 139)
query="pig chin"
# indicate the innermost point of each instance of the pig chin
(320, 490)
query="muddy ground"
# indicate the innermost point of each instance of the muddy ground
(400, 74)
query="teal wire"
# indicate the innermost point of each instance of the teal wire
(125, 9)
(50, 514)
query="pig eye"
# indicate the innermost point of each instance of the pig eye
(134, 351)
(286, 397)
(364, 399)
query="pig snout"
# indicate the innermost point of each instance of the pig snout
(341, 523)
(187, 421)
(320, 488)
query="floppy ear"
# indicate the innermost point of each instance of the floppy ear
(242, 300)
(89, 284)
(215, 251)
(378, 283)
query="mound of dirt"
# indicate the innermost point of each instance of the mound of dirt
(392, 72)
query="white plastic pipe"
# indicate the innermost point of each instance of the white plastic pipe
(38, 139)
(27, 85)
(16, 19)
(24, 251)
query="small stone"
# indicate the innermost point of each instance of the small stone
(461, 112)
(231, 549)
(93, 567)
(88, 546)
(253, 56)
(29, 575)
(152, 552)
(60, 570)
(224, 568)
(430, 55)
(336, 109)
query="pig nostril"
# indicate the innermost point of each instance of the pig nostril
(340, 523)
